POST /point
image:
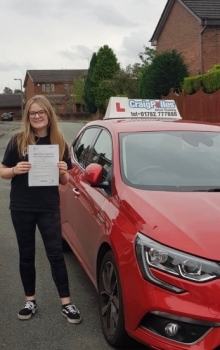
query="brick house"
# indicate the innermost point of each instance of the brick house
(192, 27)
(56, 85)
(11, 103)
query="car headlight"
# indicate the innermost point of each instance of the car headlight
(151, 254)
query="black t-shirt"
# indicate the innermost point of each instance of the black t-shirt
(23, 197)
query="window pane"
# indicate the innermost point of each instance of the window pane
(83, 146)
(102, 152)
(172, 160)
(43, 88)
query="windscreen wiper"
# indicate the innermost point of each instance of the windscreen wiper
(214, 189)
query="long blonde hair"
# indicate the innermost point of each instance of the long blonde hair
(27, 135)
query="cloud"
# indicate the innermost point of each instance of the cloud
(108, 14)
(44, 8)
(62, 34)
(10, 67)
(59, 9)
(132, 45)
(77, 52)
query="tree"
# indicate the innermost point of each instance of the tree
(88, 87)
(104, 92)
(166, 71)
(78, 91)
(147, 55)
(134, 70)
(7, 90)
(104, 70)
(142, 84)
(125, 81)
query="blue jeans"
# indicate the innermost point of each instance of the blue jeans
(49, 226)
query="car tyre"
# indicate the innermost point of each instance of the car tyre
(111, 308)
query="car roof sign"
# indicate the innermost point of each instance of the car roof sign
(122, 107)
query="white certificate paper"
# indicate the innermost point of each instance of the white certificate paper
(44, 170)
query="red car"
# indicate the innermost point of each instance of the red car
(142, 215)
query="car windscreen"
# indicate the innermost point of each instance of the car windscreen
(171, 161)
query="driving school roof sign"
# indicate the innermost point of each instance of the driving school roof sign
(122, 107)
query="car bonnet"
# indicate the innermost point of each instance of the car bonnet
(187, 221)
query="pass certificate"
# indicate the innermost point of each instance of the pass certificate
(44, 170)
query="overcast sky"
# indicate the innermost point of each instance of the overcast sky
(63, 34)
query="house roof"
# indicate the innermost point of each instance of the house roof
(10, 100)
(207, 12)
(204, 9)
(54, 76)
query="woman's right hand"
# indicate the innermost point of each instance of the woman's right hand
(22, 168)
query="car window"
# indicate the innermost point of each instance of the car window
(174, 160)
(83, 146)
(101, 153)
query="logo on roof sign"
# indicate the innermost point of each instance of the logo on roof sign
(122, 107)
(118, 107)
(151, 104)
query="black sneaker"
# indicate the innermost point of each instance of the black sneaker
(28, 310)
(71, 313)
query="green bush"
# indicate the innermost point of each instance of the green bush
(214, 68)
(166, 71)
(192, 84)
(210, 82)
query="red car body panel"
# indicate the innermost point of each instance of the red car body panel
(186, 221)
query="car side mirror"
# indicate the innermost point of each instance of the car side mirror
(93, 174)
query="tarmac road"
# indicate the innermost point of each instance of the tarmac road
(47, 330)
(6, 127)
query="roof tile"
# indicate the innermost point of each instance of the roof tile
(10, 100)
(54, 76)
(204, 9)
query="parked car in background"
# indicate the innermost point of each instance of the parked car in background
(141, 212)
(7, 116)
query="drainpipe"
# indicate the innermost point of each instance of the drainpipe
(201, 50)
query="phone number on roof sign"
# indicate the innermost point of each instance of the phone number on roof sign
(153, 114)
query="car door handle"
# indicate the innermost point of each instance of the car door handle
(76, 192)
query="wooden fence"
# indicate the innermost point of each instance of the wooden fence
(199, 106)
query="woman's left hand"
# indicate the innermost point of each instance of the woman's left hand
(62, 167)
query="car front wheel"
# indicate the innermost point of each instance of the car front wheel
(111, 304)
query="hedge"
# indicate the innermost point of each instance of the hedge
(209, 82)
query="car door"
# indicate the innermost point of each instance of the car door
(89, 221)
(69, 199)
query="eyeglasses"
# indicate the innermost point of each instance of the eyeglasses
(41, 113)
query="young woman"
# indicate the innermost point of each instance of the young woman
(38, 206)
